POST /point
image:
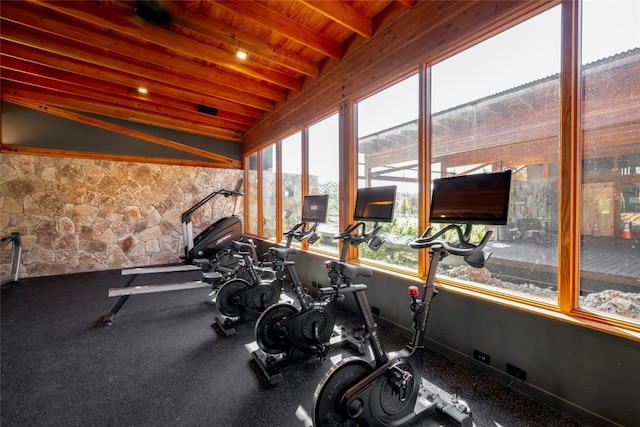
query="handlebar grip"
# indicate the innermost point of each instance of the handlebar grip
(470, 250)
(465, 248)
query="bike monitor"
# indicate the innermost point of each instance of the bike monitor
(471, 199)
(314, 208)
(375, 204)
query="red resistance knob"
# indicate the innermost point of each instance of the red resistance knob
(413, 291)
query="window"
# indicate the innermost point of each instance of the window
(610, 223)
(324, 177)
(268, 186)
(291, 181)
(492, 107)
(388, 155)
(495, 106)
(251, 194)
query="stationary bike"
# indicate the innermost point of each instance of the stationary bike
(243, 298)
(390, 392)
(288, 334)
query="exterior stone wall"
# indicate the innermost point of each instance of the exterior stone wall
(78, 215)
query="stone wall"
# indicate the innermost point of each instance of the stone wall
(87, 215)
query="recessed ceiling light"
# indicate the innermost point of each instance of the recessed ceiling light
(143, 90)
(241, 54)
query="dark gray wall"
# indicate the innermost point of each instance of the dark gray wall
(23, 126)
(589, 374)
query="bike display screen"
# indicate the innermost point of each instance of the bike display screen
(471, 199)
(375, 204)
(314, 208)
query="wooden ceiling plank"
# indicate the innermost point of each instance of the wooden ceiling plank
(118, 96)
(282, 25)
(29, 57)
(133, 26)
(77, 103)
(125, 131)
(39, 75)
(343, 14)
(90, 45)
(18, 34)
(182, 18)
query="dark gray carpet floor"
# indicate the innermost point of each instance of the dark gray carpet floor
(162, 363)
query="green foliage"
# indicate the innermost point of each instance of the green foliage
(330, 188)
(395, 251)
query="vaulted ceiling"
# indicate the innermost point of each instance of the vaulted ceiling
(80, 59)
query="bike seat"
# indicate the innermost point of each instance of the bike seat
(282, 253)
(351, 271)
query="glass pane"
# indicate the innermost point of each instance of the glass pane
(269, 192)
(251, 188)
(291, 181)
(324, 161)
(610, 225)
(388, 155)
(495, 106)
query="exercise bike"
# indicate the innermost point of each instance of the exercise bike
(288, 334)
(243, 298)
(390, 392)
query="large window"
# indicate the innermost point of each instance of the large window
(251, 194)
(610, 223)
(500, 104)
(291, 181)
(495, 106)
(268, 185)
(324, 177)
(388, 155)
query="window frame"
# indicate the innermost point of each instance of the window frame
(569, 176)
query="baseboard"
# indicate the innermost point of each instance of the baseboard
(526, 388)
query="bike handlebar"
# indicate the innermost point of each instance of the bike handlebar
(347, 231)
(350, 239)
(356, 239)
(301, 234)
(462, 246)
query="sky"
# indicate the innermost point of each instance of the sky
(527, 52)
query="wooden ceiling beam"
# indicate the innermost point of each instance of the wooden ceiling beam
(223, 160)
(133, 26)
(343, 14)
(141, 72)
(22, 24)
(96, 155)
(14, 92)
(184, 19)
(282, 25)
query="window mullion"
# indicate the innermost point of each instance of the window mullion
(570, 159)
(424, 163)
(278, 181)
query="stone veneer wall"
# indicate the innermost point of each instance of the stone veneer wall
(88, 215)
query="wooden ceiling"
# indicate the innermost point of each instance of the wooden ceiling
(79, 59)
